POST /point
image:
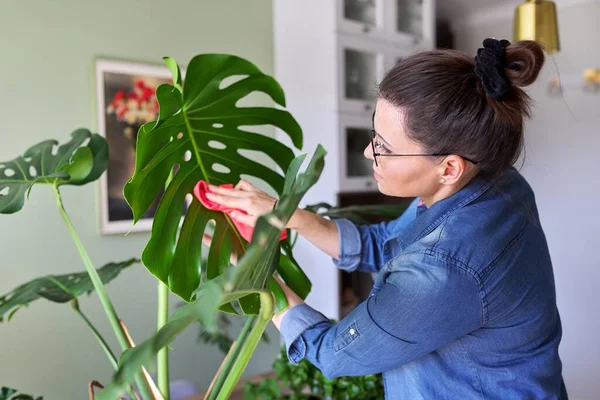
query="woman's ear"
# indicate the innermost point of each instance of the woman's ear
(452, 169)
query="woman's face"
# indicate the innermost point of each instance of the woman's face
(400, 176)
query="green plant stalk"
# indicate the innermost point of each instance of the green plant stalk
(162, 361)
(97, 335)
(142, 384)
(232, 355)
(162, 357)
(243, 358)
(99, 338)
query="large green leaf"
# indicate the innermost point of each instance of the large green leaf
(200, 128)
(248, 277)
(57, 288)
(81, 160)
(12, 394)
(359, 214)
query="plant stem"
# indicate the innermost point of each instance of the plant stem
(142, 384)
(99, 338)
(162, 362)
(232, 355)
(97, 335)
(162, 357)
(238, 364)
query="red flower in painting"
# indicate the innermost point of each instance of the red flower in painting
(135, 107)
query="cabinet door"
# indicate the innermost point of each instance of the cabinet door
(362, 17)
(395, 55)
(361, 65)
(411, 23)
(356, 171)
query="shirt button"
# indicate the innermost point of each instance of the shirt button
(352, 331)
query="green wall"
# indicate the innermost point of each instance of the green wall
(46, 91)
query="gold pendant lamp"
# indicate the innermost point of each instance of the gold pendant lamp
(536, 20)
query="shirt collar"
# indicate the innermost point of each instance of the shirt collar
(429, 218)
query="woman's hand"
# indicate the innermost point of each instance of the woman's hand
(245, 197)
(292, 298)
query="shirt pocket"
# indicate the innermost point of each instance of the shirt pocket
(346, 337)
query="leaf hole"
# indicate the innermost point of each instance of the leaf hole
(260, 184)
(71, 277)
(77, 280)
(259, 157)
(230, 80)
(54, 150)
(220, 168)
(187, 156)
(9, 172)
(180, 135)
(4, 191)
(32, 171)
(43, 289)
(217, 125)
(216, 145)
(27, 159)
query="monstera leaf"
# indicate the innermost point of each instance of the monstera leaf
(360, 214)
(81, 160)
(57, 288)
(13, 394)
(249, 276)
(198, 136)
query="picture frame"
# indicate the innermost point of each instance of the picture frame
(125, 100)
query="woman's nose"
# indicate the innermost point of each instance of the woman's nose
(368, 152)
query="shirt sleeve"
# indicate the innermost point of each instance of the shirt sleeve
(417, 310)
(361, 246)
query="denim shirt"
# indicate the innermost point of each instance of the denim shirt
(463, 305)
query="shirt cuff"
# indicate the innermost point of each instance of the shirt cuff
(297, 320)
(350, 245)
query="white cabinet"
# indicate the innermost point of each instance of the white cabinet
(356, 171)
(411, 22)
(361, 65)
(329, 56)
(362, 17)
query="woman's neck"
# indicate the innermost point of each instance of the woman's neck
(445, 190)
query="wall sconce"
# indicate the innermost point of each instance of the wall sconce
(589, 81)
(536, 20)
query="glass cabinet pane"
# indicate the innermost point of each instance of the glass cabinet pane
(410, 17)
(362, 11)
(360, 75)
(357, 165)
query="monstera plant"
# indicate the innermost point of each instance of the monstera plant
(199, 129)
(200, 135)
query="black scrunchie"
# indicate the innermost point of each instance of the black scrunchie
(489, 67)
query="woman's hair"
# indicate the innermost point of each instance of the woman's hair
(449, 108)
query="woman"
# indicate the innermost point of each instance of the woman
(463, 306)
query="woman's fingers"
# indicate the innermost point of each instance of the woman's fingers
(228, 201)
(244, 218)
(227, 191)
(206, 239)
(245, 186)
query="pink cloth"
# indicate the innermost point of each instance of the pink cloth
(245, 230)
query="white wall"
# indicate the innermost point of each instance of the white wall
(561, 165)
(46, 91)
(305, 63)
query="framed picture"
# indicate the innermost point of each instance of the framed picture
(125, 100)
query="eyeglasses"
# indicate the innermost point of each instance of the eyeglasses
(377, 145)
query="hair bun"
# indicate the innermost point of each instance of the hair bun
(525, 61)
